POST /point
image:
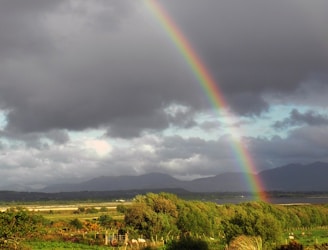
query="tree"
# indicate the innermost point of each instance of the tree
(121, 208)
(140, 217)
(194, 219)
(251, 221)
(152, 214)
(106, 221)
(76, 223)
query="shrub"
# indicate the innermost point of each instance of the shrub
(187, 244)
(244, 242)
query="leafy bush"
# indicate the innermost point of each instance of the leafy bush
(76, 223)
(187, 243)
(121, 208)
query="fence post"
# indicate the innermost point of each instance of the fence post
(106, 238)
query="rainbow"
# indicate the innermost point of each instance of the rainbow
(212, 91)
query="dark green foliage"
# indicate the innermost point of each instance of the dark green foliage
(103, 209)
(197, 217)
(251, 219)
(16, 224)
(268, 221)
(91, 210)
(80, 210)
(164, 215)
(152, 215)
(291, 246)
(106, 221)
(121, 208)
(187, 244)
(86, 210)
(76, 223)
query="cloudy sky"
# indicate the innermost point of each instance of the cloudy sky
(90, 88)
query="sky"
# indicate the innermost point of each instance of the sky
(98, 88)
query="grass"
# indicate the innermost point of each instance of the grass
(65, 213)
(310, 236)
(68, 211)
(70, 215)
(59, 245)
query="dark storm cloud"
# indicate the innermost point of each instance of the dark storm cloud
(108, 66)
(126, 103)
(21, 27)
(133, 125)
(98, 77)
(296, 118)
(104, 64)
(302, 145)
(255, 47)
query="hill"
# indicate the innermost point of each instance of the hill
(293, 177)
(297, 177)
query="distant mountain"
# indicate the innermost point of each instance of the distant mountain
(297, 177)
(293, 177)
(226, 182)
(113, 183)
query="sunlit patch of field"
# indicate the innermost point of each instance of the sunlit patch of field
(67, 216)
(56, 212)
(65, 207)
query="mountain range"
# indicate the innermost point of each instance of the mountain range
(293, 177)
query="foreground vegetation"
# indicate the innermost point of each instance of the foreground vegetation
(163, 221)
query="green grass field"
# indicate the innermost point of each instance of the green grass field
(55, 245)
(309, 237)
(67, 215)
(69, 211)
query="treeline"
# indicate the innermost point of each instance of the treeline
(20, 197)
(164, 215)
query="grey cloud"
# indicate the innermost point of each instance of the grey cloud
(182, 118)
(210, 125)
(21, 27)
(23, 24)
(132, 126)
(123, 80)
(109, 65)
(173, 155)
(302, 145)
(112, 13)
(34, 140)
(216, 156)
(296, 118)
(255, 47)
(58, 136)
(118, 80)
